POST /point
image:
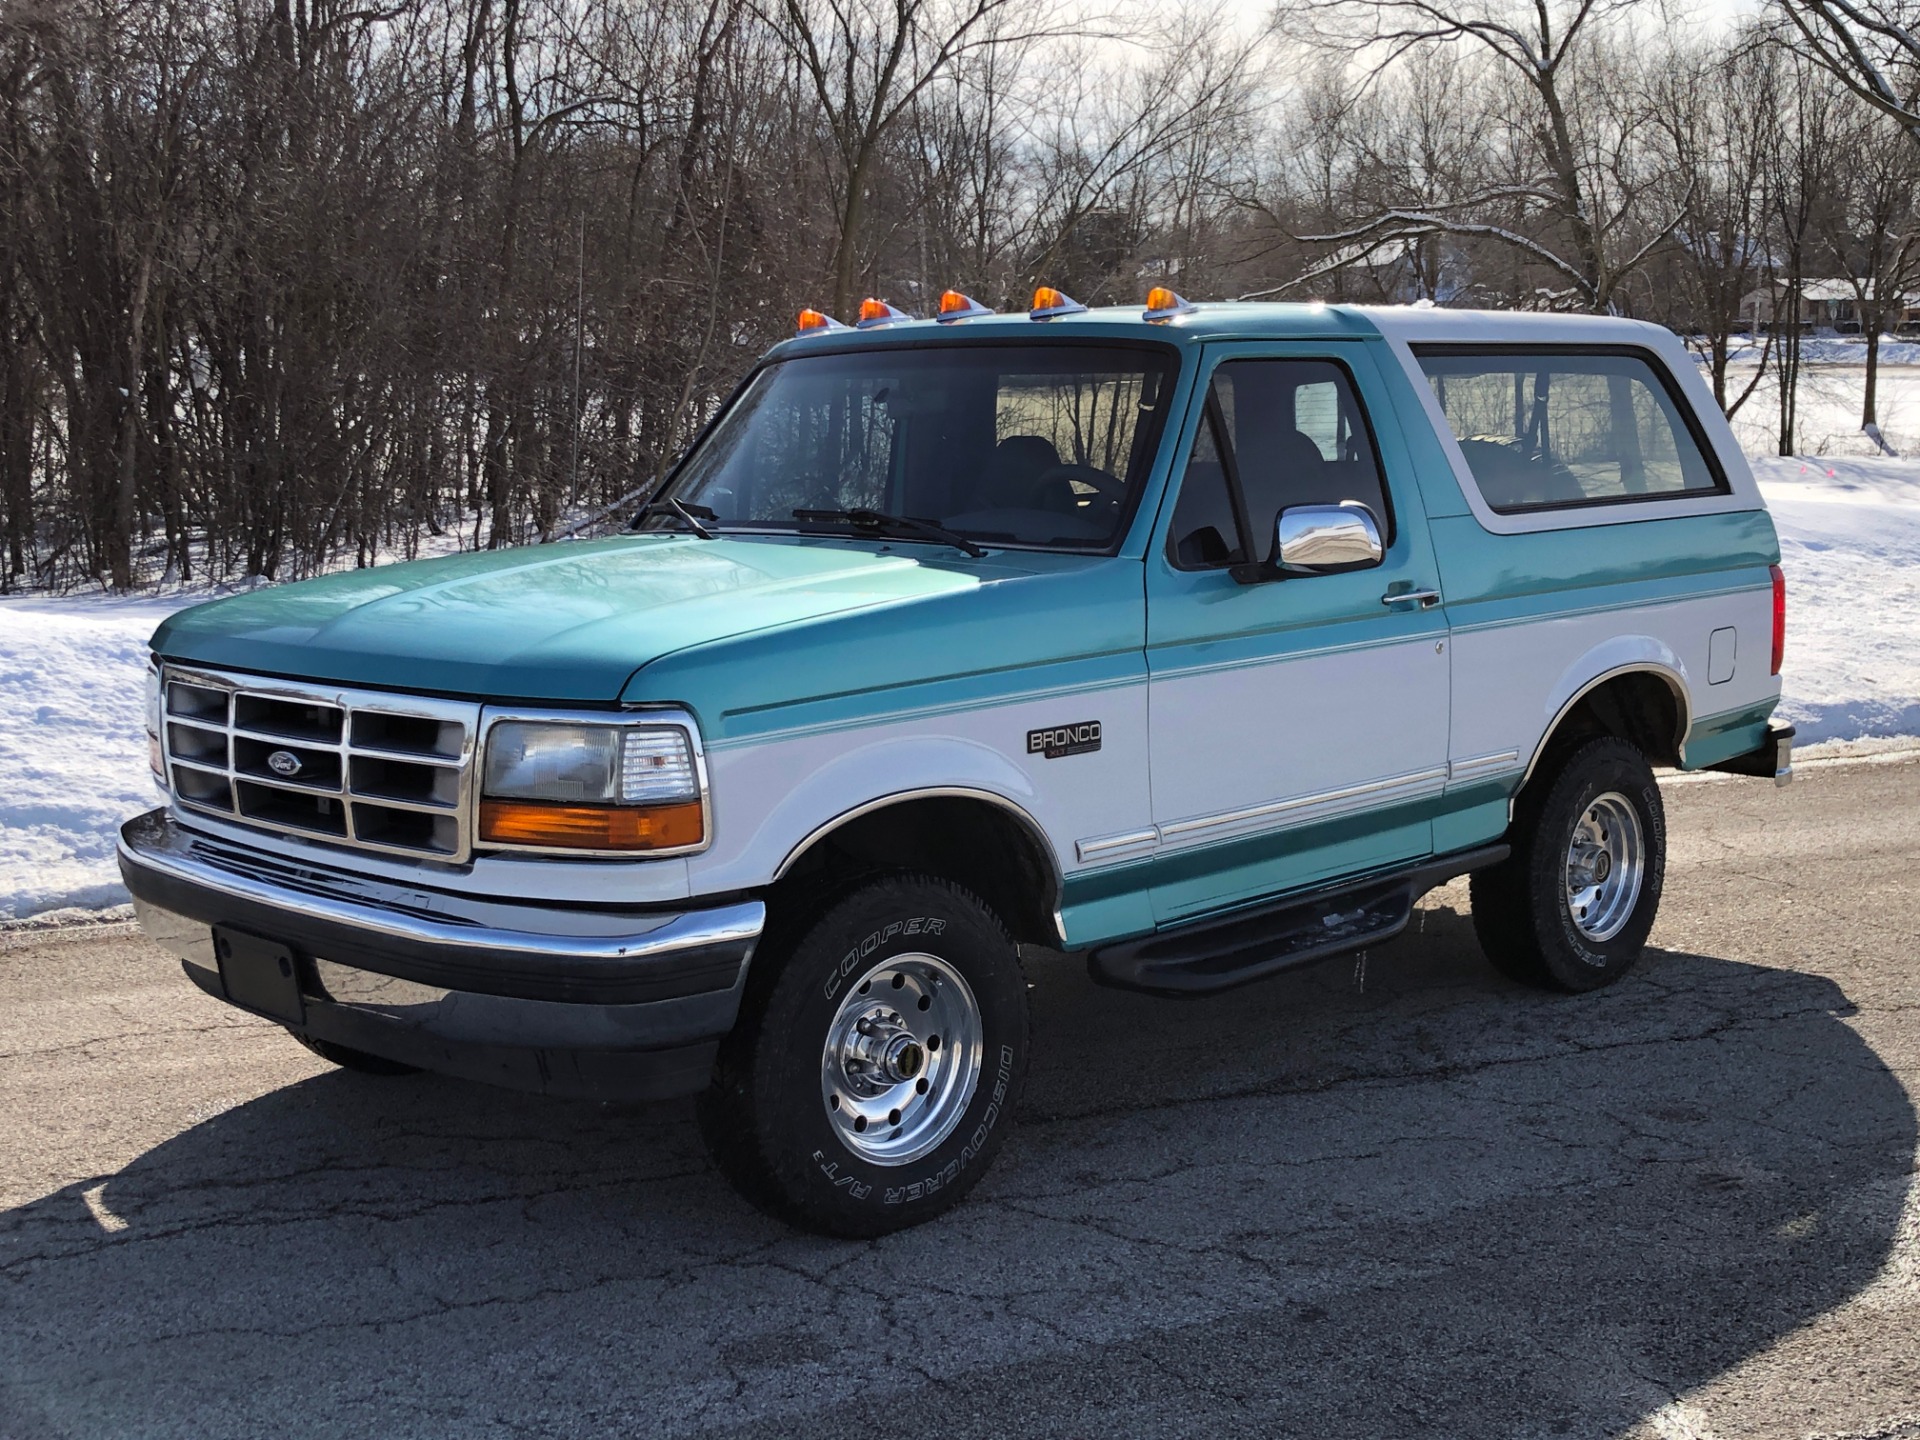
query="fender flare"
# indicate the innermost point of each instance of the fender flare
(1656, 660)
(1056, 880)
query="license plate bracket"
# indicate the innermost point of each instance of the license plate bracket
(259, 975)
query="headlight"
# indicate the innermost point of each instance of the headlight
(591, 786)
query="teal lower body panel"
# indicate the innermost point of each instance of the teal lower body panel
(1209, 878)
(1714, 738)
(1106, 905)
(1134, 899)
(1475, 814)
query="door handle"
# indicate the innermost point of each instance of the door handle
(1427, 598)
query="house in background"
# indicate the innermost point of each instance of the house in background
(1825, 304)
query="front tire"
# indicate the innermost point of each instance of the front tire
(880, 1049)
(1571, 908)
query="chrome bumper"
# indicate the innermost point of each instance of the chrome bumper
(568, 1000)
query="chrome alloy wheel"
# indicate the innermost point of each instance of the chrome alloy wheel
(902, 1059)
(1606, 865)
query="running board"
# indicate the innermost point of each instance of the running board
(1205, 956)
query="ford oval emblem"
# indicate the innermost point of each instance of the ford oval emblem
(284, 762)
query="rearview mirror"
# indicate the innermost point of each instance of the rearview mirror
(1326, 539)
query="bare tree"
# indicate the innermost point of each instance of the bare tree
(1572, 208)
(866, 64)
(1871, 46)
(1870, 235)
(1717, 106)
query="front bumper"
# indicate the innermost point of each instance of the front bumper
(611, 1004)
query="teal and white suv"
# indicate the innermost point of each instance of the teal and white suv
(1201, 640)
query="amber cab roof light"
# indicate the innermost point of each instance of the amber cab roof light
(814, 322)
(1049, 302)
(956, 306)
(1163, 304)
(875, 313)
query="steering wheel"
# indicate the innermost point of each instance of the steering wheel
(1107, 491)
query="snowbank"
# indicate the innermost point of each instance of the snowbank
(72, 745)
(71, 670)
(1829, 350)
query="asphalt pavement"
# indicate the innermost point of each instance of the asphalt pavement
(1382, 1198)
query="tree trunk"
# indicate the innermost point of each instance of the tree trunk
(1869, 419)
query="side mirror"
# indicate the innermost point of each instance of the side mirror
(1326, 539)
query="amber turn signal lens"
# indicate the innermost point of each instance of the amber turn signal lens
(592, 827)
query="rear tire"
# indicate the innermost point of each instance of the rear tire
(358, 1061)
(879, 1053)
(1571, 908)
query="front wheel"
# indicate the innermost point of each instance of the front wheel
(1571, 908)
(878, 1055)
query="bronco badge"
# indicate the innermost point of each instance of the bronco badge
(1056, 741)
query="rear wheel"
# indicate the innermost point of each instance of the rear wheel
(1571, 908)
(348, 1058)
(878, 1055)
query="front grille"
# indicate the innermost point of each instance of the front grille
(389, 773)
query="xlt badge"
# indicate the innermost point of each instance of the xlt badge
(1079, 738)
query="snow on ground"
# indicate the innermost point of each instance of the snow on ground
(72, 669)
(72, 745)
(1850, 546)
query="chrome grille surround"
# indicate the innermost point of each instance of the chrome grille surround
(366, 769)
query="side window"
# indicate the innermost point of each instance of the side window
(1284, 432)
(1206, 533)
(1550, 429)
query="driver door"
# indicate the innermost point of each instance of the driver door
(1298, 725)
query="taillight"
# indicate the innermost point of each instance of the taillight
(1779, 616)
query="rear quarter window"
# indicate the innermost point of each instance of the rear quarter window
(1555, 428)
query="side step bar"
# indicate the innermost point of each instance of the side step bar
(1205, 956)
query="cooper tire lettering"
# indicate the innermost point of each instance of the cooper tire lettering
(919, 925)
(774, 1116)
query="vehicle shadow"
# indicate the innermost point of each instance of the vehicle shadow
(1416, 1200)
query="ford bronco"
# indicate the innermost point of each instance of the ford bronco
(1199, 640)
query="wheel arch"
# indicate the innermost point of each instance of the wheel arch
(1644, 701)
(975, 837)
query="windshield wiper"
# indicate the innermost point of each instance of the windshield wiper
(689, 515)
(883, 523)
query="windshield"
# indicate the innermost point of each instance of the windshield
(1032, 444)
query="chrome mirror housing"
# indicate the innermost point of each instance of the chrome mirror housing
(1326, 539)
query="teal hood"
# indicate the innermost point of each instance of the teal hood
(570, 622)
